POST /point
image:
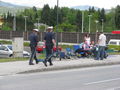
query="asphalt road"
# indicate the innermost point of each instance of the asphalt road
(95, 78)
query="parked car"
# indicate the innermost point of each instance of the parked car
(114, 42)
(6, 51)
(40, 47)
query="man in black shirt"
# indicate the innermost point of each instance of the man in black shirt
(49, 41)
(33, 43)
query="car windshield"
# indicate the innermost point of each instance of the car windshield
(10, 47)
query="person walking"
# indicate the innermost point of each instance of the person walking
(49, 41)
(33, 43)
(101, 48)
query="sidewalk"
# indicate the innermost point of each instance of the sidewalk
(11, 68)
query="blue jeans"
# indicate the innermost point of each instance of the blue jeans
(101, 52)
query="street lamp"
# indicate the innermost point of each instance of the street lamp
(96, 21)
(82, 21)
(14, 22)
(25, 23)
(102, 24)
(89, 21)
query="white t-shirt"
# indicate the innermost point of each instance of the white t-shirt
(88, 40)
(102, 40)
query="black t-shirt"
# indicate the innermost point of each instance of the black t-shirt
(49, 36)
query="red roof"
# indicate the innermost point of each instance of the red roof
(115, 32)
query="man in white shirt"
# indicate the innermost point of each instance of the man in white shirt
(102, 45)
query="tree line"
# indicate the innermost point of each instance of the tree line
(69, 20)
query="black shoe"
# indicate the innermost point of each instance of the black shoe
(51, 64)
(45, 63)
(37, 62)
(31, 63)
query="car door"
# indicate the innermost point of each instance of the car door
(4, 51)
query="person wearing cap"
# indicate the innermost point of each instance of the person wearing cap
(33, 43)
(49, 41)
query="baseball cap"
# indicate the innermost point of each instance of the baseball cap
(36, 30)
(51, 27)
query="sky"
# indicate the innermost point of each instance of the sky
(107, 4)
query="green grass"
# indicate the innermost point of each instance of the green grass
(66, 46)
(10, 42)
(5, 42)
(41, 56)
(26, 44)
(114, 47)
(114, 53)
(12, 59)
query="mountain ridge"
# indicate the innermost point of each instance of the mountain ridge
(84, 7)
(12, 8)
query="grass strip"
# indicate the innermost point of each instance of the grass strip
(12, 59)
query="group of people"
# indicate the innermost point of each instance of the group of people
(87, 46)
(90, 48)
(49, 41)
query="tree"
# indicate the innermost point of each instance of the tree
(64, 13)
(67, 27)
(102, 16)
(91, 10)
(117, 17)
(79, 21)
(45, 14)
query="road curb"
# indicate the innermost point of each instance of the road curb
(70, 67)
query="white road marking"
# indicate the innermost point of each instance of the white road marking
(1, 77)
(115, 88)
(103, 81)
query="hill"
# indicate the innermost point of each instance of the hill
(84, 7)
(8, 7)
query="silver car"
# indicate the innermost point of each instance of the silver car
(6, 51)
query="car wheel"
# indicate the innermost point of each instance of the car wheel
(10, 55)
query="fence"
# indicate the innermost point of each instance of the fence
(62, 37)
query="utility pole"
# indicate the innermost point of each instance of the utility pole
(82, 21)
(25, 23)
(57, 25)
(89, 21)
(102, 24)
(96, 21)
(14, 22)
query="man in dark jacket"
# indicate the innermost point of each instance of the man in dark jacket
(33, 43)
(49, 41)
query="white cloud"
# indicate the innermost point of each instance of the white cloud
(68, 3)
